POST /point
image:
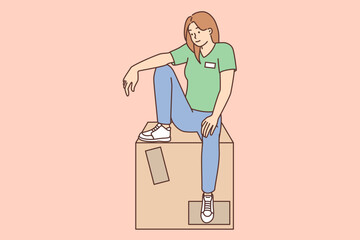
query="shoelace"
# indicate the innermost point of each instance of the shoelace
(207, 205)
(156, 127)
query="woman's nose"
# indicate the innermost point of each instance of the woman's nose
(195, 35)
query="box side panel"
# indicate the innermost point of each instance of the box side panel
(157, 205)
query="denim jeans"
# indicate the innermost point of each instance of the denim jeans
(171, 105)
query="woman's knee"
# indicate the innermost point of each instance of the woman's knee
(163, 71)
(214, 137)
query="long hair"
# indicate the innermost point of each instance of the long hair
(204, 21)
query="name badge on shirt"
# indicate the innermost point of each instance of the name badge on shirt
(210, 65)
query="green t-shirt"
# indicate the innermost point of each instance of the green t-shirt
(204, 78)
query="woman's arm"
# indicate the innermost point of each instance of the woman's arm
(132, 76)
(226, 82)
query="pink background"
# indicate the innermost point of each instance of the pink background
(67, 129)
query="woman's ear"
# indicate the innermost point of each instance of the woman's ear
(210, 30)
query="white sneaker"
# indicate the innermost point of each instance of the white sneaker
(158, 133)
(207, 208)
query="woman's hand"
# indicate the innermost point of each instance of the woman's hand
(130, 80)
(208, 125)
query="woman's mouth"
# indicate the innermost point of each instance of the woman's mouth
(197, 41)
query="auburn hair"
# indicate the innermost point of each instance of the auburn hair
(204, 21)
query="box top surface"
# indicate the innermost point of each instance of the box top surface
(178, 136)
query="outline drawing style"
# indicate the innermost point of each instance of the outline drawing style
(210, 67)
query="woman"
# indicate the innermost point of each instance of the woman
(210, 68)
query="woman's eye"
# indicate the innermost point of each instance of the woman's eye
(198, 31)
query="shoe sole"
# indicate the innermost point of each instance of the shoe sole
(156, 140)
(205, 219)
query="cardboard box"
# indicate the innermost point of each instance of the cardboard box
(168, 183)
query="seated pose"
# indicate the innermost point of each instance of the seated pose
(210, 68)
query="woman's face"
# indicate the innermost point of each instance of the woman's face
(198, 36)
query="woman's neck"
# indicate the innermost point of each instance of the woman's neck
(206, 48)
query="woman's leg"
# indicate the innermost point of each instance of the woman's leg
(210, 159)
(171, 104)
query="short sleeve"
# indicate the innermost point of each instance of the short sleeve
(227, 58)
(181, 54)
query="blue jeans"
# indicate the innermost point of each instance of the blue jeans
(171, 105)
